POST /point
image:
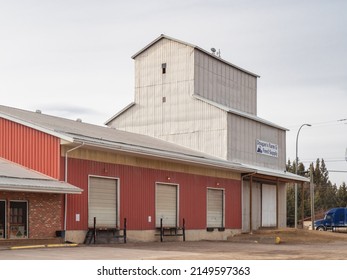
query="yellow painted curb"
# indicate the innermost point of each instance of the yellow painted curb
(27, 247)
(62, 245)
(43, 246)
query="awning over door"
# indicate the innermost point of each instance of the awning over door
(14, 177)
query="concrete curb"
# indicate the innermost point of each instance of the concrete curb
(43, 246)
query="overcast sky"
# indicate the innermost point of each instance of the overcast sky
(73, 59)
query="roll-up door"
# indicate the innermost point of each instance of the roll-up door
(268, 206)
(166, 205)
(215, 208)
(102, 202)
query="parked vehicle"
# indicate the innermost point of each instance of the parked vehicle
(334, 218)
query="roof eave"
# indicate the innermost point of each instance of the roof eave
(37, 127)
(238, 113)
(167, 155)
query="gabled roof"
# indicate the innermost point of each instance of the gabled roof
(113, 139)
(116, 140)
(238, 112)
(14, 177)
(162, 36)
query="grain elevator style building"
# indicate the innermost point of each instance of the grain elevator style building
(194, 98)
(188, 155)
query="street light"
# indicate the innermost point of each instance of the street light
(296, 172)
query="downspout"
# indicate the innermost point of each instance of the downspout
(250, 197)
(66, 169)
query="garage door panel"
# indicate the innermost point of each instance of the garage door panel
(166, 205)
(269, 206)
(215, 208)
(102, 202)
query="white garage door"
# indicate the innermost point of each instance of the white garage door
(102, 202)
(215, 208)
(268, 213)
(166, 205)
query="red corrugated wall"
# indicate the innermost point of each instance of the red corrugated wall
(137, 194)
(29, 147)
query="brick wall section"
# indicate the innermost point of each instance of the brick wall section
(45, 212)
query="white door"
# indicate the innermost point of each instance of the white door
(166, 205)
(268, 206)
(215, 208)
(102, 202)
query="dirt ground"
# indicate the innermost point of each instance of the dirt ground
(260, 245)
(263, 244)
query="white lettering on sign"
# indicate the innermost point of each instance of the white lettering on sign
(266, 148)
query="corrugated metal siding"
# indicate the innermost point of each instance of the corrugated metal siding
(242, 136)
(224, 84)
(282, 205)
(137, 195)
(30, 148)
(181, 119)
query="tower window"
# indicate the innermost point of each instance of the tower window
(163, 68)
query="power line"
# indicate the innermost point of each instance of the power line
(325, 123)
(325, 160)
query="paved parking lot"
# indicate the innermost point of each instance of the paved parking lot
(184, 250)
(261, 245)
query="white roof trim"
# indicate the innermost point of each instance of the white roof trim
(237, 112)
(37, 127)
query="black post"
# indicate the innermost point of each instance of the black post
(94, 230)
(161, 230)
(184, 229)
(125, 230)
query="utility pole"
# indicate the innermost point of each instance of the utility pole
(312, 195)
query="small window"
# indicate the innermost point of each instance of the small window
(163, 68)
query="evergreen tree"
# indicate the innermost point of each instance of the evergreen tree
(342, 196)
(326, 194)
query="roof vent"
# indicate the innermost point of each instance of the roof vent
(38, 111)
(78, 120)
(215, 52)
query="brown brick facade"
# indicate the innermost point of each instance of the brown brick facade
(44, 212)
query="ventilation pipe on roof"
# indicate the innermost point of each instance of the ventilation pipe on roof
(66, 169)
